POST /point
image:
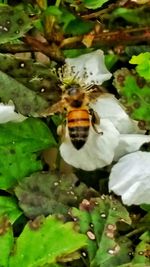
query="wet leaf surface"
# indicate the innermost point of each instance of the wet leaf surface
(14, 23)
(98, 219)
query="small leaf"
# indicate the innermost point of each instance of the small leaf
(71, 53)
(6, 241)
(93, 4)
(78, 26)
(9, 207)
(135, 92)
(139, 16)
(110, 60)
(143, 62)
(19, 143)
(49, 240)
(142, 252)
(14, 23)
(69, 22)
(145, 207)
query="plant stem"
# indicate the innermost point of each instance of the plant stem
(136, 231)
(57, 4)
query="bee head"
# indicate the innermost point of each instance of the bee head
(73, 89)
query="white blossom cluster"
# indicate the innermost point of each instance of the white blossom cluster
(120, 142)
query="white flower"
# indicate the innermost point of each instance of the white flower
(129, 143)
(121, 135)
(7, 113)
(87, 69)
(130, 178)
(97, 152)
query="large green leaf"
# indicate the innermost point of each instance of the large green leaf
(14, 23)
(6, 241)
(26, 101)
(55, 193)
(45, 240)
(34, 75)
(19, 144)
(98, 219)
(9, 207)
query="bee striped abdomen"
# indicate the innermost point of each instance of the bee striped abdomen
(78, 126)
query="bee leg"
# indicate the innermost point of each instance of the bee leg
(61, 131)
(95, 121)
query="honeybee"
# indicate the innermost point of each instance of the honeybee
(80, 117)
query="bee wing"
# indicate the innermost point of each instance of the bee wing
(58, 107)
(97, 91)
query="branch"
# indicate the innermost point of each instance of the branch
(33, 45)
(111, 38)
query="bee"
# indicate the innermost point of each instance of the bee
(80, 117)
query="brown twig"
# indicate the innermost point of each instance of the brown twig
(112, 38)
(99, 13)
(33, 45)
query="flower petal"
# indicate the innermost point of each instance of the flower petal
(107, 106)
(7, 113)
(89, 68)
(130, 143)
(97, 152)
(130, 178)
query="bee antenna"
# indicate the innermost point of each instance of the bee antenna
(75, 76)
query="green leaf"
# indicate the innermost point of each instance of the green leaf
(98, 219)
(53, 10)
(19, 144)
(138, 15)
(54, 194)
(6, 241)
(135, 92)
(142, 250)
(69, 22)
(9, 207)
(26, 101)
(133, 265)
(78, 26)
(143, 62)
(14, 23)
(145, 207)
(64, 17)
(49, 240)
(71, 53)
(93, 4)
(136, 49)
(53, 265)
(110, 60)
(29, 76)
